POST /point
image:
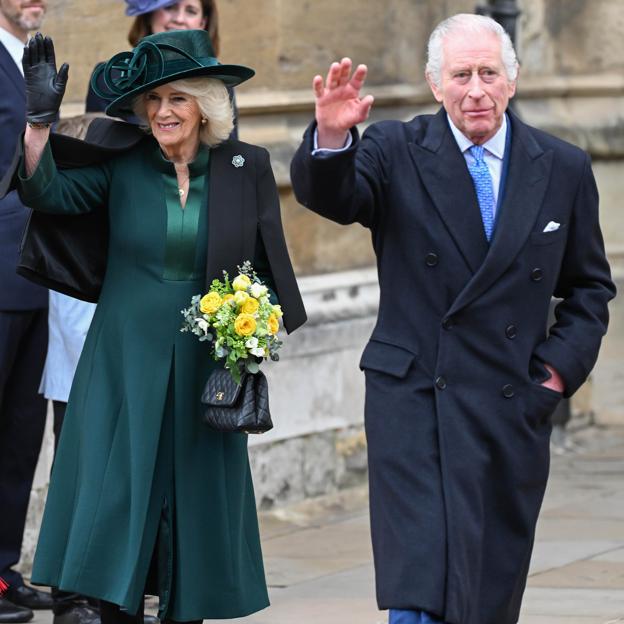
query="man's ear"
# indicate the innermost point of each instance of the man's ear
(437, 92)
(512, 85)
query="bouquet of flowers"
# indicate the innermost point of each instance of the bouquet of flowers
(238, 320)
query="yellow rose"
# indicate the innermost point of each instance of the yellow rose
(241, 282)
(273, 324)
(245, 324)
(277, 310)
(210, 303)
(227, 298)
(250, 306)
(240, 296)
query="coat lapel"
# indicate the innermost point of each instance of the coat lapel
(8, 66)
(443, 170)
(230, 232)
(527, 181)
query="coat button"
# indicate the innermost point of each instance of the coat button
(508, 391)
(448, 323)
(431, 259)
(511, 331)
(440, 383)
(537, 274)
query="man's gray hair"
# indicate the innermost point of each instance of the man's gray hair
(473, 24)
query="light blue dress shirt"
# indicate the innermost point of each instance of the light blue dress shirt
(68, 322)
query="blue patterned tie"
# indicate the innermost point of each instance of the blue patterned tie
(484, 187)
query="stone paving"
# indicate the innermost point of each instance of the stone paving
(318, 556)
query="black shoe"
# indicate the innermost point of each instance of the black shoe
(13, 614)
(78, 614)
(29, 597)
(150, 619)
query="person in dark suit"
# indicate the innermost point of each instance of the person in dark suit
(477, 220)
(23, 330)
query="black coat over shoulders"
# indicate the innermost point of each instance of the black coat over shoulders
(68, 253)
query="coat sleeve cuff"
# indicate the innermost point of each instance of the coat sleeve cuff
(34, 186)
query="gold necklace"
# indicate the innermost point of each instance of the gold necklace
(180, 189)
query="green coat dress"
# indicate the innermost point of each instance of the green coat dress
(138, 477)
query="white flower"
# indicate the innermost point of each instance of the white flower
(258, 351)
(252, 343)
(203, 325)
(258, 290)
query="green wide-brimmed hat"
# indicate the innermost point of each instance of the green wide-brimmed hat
(158, 59)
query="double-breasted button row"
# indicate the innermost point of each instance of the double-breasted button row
(537, 274)
(448, 323)
(431, 259)
(508, 391)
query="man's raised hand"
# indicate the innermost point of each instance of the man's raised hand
(338, 103)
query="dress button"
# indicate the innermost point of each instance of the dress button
(511, 332)
(537, 274)
(508, 391)
(448, 323)
(440, 383)
(431, 259)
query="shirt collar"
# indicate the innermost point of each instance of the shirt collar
(14, 46)
(495, 145)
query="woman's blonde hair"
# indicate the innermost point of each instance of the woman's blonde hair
(214, 104)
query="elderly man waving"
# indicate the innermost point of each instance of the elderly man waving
(477, 220)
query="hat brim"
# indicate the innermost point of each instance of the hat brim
(156, 4)
(230, 75)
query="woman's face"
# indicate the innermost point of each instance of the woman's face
(174, 118)
(183, 15)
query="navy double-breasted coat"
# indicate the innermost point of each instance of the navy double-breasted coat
(456, 419)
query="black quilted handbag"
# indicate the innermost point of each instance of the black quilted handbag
(238, 408)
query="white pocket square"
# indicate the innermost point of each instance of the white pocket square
(552, 226)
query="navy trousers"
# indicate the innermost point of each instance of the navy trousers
(23, 344)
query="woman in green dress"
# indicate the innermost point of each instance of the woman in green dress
(144, 497)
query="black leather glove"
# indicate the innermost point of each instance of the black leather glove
(44, 86)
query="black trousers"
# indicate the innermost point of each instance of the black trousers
(23, 344)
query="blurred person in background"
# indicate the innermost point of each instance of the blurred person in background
(23, 329)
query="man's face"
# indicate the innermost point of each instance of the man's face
(26, 15)
(474, 88)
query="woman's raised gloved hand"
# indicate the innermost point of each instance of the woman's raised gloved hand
(44, 86)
